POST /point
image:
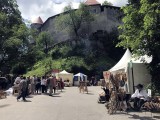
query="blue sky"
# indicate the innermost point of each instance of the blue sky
(31, 9)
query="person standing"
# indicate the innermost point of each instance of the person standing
(61, 83)
(27, 88)
(17, 80)
(47, 83)
(37, 84)
(32, 81)
(92, 80)
(43, 84)
(52, 85)
(22, 87)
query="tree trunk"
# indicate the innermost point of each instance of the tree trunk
(46, 48)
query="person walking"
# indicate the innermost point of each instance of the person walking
(22, 87)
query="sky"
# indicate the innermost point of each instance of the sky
(31, 9)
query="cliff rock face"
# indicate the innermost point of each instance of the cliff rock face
(107, 18)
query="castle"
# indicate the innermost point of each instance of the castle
(108, 18)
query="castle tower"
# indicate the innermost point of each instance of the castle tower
(95, 6)
(37, 23)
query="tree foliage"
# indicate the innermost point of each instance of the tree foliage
(44, 41)
(13, 35)
(71, 20)
(19, 69)
(141, 32)
(107, 3)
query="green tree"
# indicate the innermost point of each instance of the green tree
(141, 32)
(72, 20)
(107, 3)
(18, 69)
(44, 41)
(13, 35)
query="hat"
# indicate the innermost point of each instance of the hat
(139, 86)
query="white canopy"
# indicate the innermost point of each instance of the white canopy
(80, 74)
(137, 72)
(122, 64)
(142, 59)
(64, 72)
(127, 57)
(65, 76)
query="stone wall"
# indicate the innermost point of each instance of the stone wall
(106, 19)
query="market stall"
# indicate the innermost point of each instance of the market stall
(135, 69)
(79, 77)
(66, 76)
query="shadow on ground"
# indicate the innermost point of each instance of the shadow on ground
(158, 117)
(89, 93)
(6, 105)
(55, 96)
(30, 96)
(140, 117)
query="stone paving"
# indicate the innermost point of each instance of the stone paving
(66, 105)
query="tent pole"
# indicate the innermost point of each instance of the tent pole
(132, 77)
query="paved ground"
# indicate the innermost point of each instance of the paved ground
(66, 105)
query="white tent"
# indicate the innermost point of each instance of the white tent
(64, 72)
(80, 76)
(122, 64)
(135, 68)
(142, 59)
(65, 76)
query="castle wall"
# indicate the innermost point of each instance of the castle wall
(36, 26)
(106, 19)
(58, 36)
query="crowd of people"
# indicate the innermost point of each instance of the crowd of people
(35, 85)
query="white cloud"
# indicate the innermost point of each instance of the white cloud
(31, 9)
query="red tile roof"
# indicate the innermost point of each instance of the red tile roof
(38, 20)
(92, 2)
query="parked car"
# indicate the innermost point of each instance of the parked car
(67, 83)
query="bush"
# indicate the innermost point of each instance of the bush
(19, 69)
